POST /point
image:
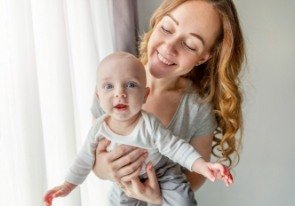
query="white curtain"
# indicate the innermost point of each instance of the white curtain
(49, 50)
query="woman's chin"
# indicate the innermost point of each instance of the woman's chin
(160, 70)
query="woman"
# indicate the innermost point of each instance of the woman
(193, 55)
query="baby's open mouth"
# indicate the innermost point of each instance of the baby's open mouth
(121, 106)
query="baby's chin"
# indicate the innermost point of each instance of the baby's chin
(126, 116)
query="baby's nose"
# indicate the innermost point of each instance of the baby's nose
(120, 94)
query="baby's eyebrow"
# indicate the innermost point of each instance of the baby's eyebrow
(104, 79)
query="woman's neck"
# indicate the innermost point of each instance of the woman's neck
(158, 86)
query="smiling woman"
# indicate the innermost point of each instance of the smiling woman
(182, 43)
(193, 54)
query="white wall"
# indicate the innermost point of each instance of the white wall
(266, 173)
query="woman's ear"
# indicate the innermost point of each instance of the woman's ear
(204, 58)
(147, 91)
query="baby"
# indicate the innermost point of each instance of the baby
(121, 90)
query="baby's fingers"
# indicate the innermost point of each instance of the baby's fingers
(61, 192)
(208, 173)
(222, 172)
(48, 197)
(225, 174)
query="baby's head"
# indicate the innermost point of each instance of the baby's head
(121, 85)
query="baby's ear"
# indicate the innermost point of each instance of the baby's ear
(96, 93)
(147, 91)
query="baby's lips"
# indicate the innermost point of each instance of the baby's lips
(120, 106)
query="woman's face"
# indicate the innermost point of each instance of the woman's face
(183, 39)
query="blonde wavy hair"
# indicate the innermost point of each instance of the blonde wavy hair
(217, 80)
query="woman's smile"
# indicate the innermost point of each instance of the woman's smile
(164, 59)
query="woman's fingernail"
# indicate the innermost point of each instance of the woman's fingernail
(150, 166)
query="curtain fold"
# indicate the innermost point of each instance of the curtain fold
(48, 57)
(126, 25)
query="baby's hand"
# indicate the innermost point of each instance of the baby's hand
(213, 171)
(59, 191)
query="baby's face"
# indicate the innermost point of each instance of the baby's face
(121, 87)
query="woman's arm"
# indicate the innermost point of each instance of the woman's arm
(123, 166)
(203, 145)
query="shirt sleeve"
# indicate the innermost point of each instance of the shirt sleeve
(205, 120)
(84, 161)
(176, 149)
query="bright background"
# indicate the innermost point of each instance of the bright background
(48, 56)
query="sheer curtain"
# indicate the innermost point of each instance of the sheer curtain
(49, 50)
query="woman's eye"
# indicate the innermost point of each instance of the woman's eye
(189, 47)
(107, 86)
(131, 85)
(165, 30)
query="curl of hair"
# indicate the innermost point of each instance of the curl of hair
(217, 80)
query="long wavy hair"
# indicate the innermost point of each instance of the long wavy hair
(217, 80)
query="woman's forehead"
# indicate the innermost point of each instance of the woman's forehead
(199, 17)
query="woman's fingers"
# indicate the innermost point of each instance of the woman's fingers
(129, 177)
(152, 177)
(121, 151)
(102, 146)
(132, 170)
(123, 161)
(128, 156)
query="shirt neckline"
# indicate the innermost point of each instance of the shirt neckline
(118, 136)
(185, 93)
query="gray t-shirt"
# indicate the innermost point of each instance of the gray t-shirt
(191, 119)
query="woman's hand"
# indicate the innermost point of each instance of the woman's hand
(123, 162)
(147, 191)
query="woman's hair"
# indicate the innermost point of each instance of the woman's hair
(217, 80)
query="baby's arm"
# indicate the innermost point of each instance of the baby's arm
(184, 154)
(59, 191)
(212, 171)
(79, 170)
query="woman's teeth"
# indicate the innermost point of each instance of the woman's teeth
(164, 60)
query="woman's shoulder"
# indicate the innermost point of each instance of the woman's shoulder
(192, 97)
(195, 105)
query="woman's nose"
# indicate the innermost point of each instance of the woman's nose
(170, 47)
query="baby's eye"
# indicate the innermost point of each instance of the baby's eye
(131, 85)
(107, 86)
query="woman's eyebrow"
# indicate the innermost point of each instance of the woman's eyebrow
(193, 34)
(175, 21)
